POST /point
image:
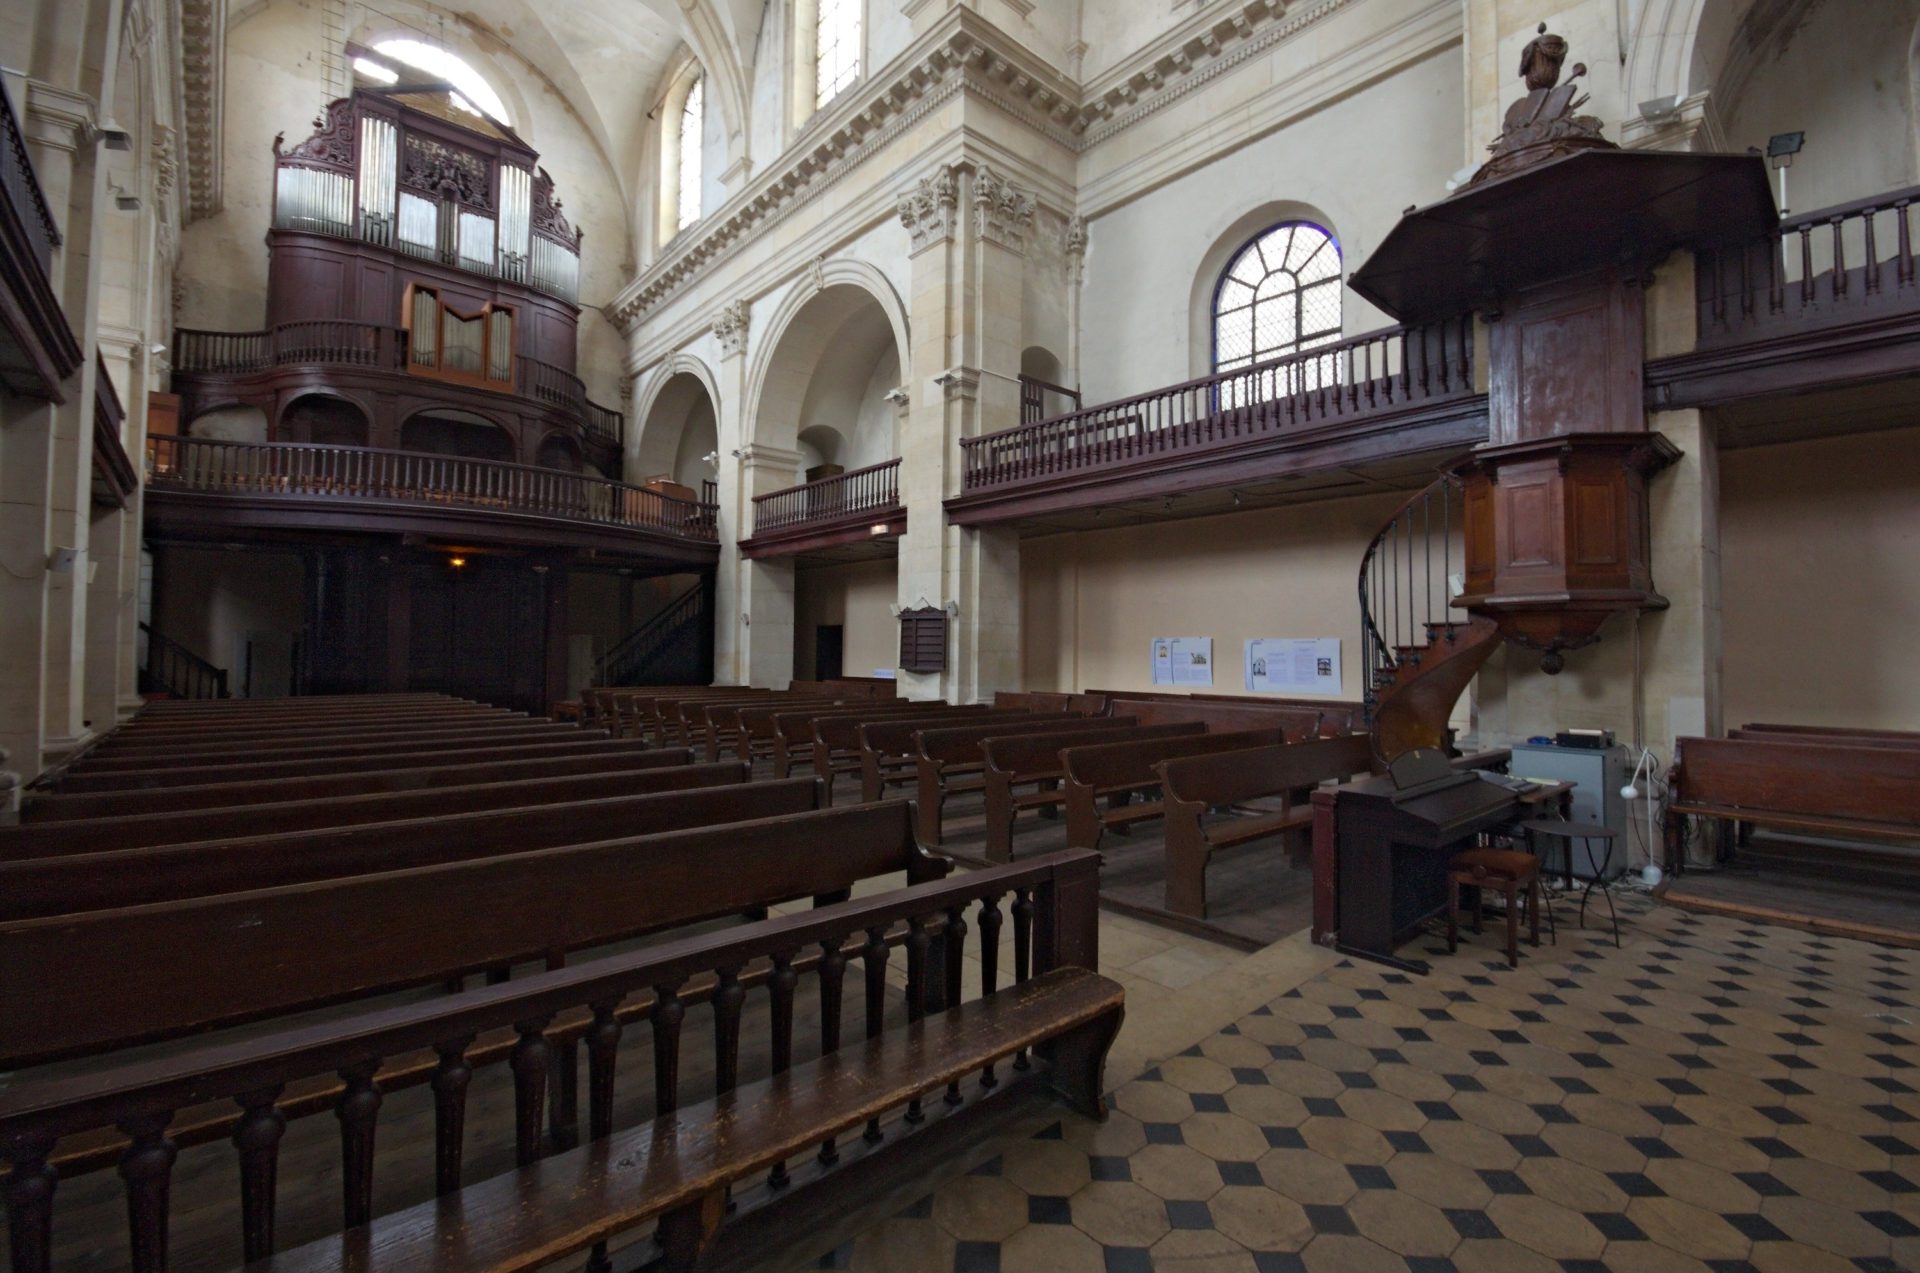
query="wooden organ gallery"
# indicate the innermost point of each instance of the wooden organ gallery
(1106, 699)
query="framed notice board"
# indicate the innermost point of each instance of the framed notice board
(923, 639)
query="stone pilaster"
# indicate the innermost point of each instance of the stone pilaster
(766, 587)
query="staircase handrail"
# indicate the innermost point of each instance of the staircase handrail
(203, 674)
(1376, 590)
(688, 605)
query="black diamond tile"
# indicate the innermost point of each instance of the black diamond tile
(991, 1167)
(1504, 1182)
(1230, 1030)
(1473, 1224)
(1152, 1076)
(1635, 1185)
(1195, 1049)
(1413, 1034)
(1128, 1259)
(1189, 1215)
(1277, 1262)
(1388, 1056)
(1700, 1038)
(1051, 1132)
(1509, 1036)
(1779, 1115)
(1247, 1076)
(1369, 1177)
(1799, 1040)
(1317, 1031)
(1104, 1167)
(1373, 995)
(1890, 1113)
(1208, 1103)
(1345, 1012)
(1284, 1052)
(1285, 1137)
(1531, 1147)
(1164, 1134)
(1668, 1115)
(1408, 1143)
(1891, 1223)
(976, 1257)
(1464, 1083)
(1758, 1228)
(1323, 1106)
(1436, 1014)
(1892, 1086)
(1773, 1147)
(1574, 1087)
(1048, 1209)
(1325, 1219)
(1602, 1038)
(1484, 1057)
(1355, 1079)
(1789, 1061)
(1891, 1181)
(1653, 1147)
(1552, 1113)
(1621, 1018)
(1428, 1264)
(1787, 1087)
(1239, 1173)
(1592, 1060)
(1527, 1016)
(1891, 1145)
(1615, 1227)
(1681, 1087)
(1438, 1111)
(1690, 1062)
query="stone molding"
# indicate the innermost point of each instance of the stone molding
(203, 53)
(959, 384)
(963, 53)
(730, 326)
(931, 209)
(1002, 211)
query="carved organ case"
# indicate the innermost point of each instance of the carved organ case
(404, 211)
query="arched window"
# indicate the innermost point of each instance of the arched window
(1280, 294)
(471, 92)
(693, 119)
(836, 48)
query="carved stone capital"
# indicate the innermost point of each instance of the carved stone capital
(730, 325)
(931, 209)
(1002, 211)
(959, 384)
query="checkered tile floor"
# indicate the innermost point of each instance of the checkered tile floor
(1711, 1095)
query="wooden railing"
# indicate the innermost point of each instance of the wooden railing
(341, 343)
(1838, 265)
(23, 187)
(213, 467)
(1406, 593)
(1034, 393)
(1381, 372)
(633, 658)
(754, 976)
(171, 668)
(871, 489)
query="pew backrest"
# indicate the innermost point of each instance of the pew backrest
(1817, 779)
(1229, 777)
(961, 744)
(1021, 758)
(1129, 763)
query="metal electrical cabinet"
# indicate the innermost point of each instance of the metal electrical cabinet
(1598, 775)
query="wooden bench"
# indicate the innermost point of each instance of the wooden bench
(1192, 785)
(141, 779)
(1812, 732)
(1812, 786)
(1013, 762)
(759, 735)
(377, 744)
(78, 984)
(794, 729)
(714, 727)
(145, 830)
(886, 748)
(136, 732)
(625, 756)
(758, 1141)
(1871, 738)
(63, 883)
(1222, 717)
(1117, 771)
(949, 761)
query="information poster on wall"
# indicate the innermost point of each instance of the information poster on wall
(1184, 661)
(1286, 665)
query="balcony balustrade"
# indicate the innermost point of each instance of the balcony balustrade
(346, 478)
(37, 346)
(845, 508)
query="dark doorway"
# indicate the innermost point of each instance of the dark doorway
(829, 643)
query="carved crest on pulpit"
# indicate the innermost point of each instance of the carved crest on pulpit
(1546, 123)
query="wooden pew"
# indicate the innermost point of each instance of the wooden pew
(648, 713)
(146, 829)
(835, 742)
(948, 760)
(1116, 771)
(1821, 788)
(793, 728)
(725, 731)
(887, 748)
(1871, 738)
(187, 708)
(1192, 785)
(1013, 762)
(759, 735)
(692, 1169)
(143, 727)
(74, 985)
(140, 779)
(69, 882)
(710, 726)
(623, 756)
(187, 756)
(120, 744)
(1813, 732)
(1221, 717)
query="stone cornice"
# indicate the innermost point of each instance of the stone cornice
(203, 52)
(965, 53)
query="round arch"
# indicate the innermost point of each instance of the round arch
(1226, 244)
(324, 419)
(828, 276)
(680, 411)
(465, 434)
(502, 79)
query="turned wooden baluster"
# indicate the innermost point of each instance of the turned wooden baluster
(780, 988)
(874, 954)
(452, 1075)
(147, 1169)
(358, 1110)
(1903, 258)
(989, 963)
(668, 1012)
(1837, 224)
(31, 1180)
(603, 1053)
(956, 943)
(530, 1062)
(1806, 266)
(833, 966)
(1870, 268)
(918, 942)
(729, 996)
(257, 1137)
(1022, 952)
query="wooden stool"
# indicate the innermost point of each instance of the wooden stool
(1514, 874)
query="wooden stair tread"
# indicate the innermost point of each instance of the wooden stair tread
(563, 1204)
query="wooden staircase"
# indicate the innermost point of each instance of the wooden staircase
(1420, 651)
(674, 647)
